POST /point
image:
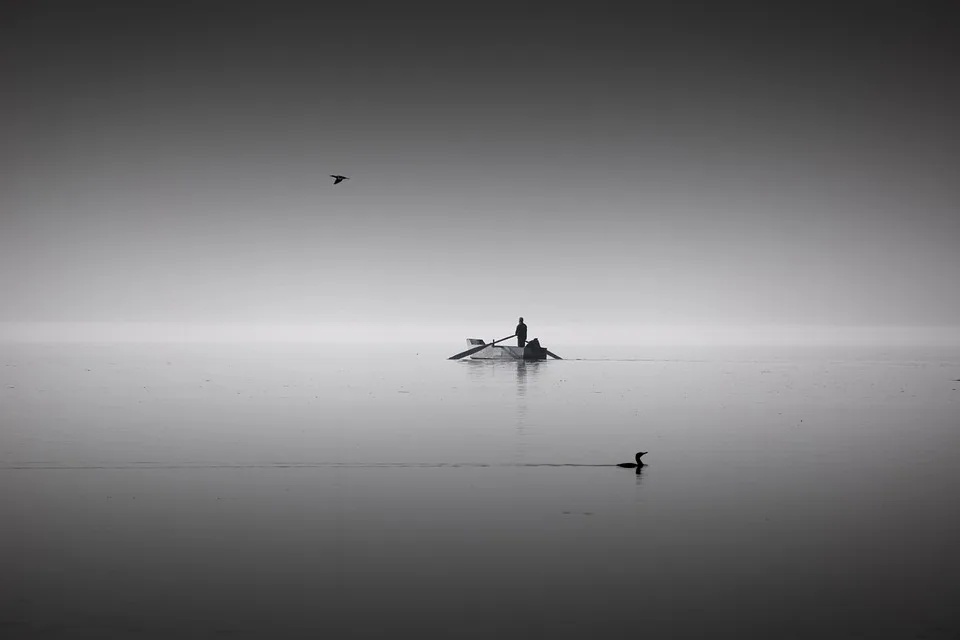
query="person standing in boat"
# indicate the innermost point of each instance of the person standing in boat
(521, 334)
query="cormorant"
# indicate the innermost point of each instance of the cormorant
(338, 179)
(637, 464)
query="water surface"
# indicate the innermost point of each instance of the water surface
(284, 490)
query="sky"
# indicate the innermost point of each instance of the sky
(631, 165)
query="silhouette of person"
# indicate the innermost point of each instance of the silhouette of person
(521, 334)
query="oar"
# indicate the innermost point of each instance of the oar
(475, 349)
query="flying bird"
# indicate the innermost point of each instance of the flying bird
(338, 179)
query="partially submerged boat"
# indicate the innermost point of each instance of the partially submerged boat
(480, 350)
(533, 351)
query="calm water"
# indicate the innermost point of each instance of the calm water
(280, 491)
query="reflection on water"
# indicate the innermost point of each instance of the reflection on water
(489, 371)
(525, 375)
(521, 419)
(521, 378)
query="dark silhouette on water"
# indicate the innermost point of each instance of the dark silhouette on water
(637, 464)
(521, 333)
(533, 351)
(338, 179)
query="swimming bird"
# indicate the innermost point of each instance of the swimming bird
(338, 179)
(631, 465)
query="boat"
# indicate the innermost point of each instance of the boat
(480, 350)
(533, 351)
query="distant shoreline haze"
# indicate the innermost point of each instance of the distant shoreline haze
(555, 335)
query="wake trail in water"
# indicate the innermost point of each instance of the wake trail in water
(45, 466)
(631, 360)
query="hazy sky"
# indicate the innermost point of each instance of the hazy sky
(737, 165)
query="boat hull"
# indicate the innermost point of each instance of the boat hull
(502, 352)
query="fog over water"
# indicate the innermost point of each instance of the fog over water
(647, 166)
(225, 403)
